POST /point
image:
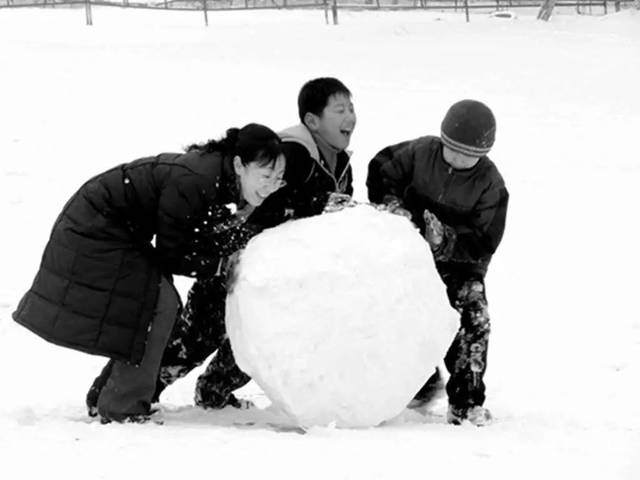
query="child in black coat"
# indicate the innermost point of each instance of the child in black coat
(458, 199)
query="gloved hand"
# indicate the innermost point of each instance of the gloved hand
(434, 230)
(338, 201)
(392, 204)
(230, 270)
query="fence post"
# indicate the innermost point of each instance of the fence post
(334, 11)
(604, 3)
(326, 11)
(466, 9)
(546, 8)
(87, 9)
(206, 14)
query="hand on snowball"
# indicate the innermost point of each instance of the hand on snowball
(338, 201)
(231, 270)
(392, 204)
(434, 230)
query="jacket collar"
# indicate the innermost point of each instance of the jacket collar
(300, 134)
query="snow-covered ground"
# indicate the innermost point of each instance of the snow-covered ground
(565, 349)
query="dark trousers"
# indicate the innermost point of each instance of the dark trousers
(122, 389)
(466, 359)
(200, 331)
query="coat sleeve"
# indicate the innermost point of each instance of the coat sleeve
(479, 239)
(196, 234)
(390, 172)
(179, 236)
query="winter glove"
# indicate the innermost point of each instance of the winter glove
(230, 270)
(338, 201)
(392, 204)
(434, 231)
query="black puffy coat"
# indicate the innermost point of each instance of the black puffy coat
(472, 203)
(97, 285)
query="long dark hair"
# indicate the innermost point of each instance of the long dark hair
(252, 143)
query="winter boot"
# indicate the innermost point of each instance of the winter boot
(478, 416)
(154, 415)
(218, 402)
(97, 386)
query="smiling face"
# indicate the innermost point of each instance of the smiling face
(258, 181)
(336, 122)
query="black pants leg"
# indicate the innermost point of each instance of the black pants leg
(128, 389)
(222, 376)
(466, 359)
(198, 332)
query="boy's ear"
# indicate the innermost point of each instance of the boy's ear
(237, 165)
(311, 120)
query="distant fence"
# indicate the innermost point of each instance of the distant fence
(330, 6)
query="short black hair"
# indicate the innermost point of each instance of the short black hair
(315, 94)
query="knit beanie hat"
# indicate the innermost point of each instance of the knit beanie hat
(469, 127)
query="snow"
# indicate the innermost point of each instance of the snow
(565, 348)
(340, 328)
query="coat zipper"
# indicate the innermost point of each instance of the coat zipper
(446, 185)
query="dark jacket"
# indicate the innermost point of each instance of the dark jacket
(97, 285)
(471, 203)
(308, 176)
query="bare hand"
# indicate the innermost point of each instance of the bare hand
(338, 201)
(434, 231)
(395, 209)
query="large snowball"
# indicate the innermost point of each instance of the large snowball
(340, 317)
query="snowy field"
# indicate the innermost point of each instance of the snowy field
(564, 361)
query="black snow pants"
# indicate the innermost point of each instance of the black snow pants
(466, 359)
(198, 332)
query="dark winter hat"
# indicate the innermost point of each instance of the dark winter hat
(469, 127)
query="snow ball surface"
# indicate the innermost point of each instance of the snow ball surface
(340, 318)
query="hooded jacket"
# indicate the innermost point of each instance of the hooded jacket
(308, 176)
